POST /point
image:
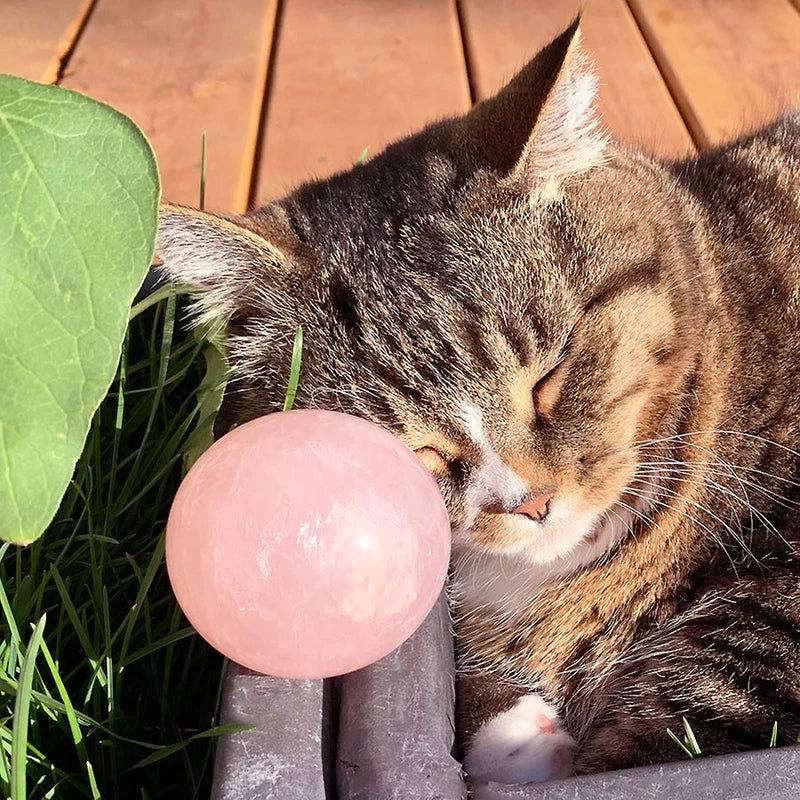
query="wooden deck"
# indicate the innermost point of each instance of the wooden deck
(287, 89)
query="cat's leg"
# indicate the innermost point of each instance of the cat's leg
(511, 735)
(730, 665)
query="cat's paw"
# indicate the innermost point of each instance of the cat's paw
(522, 745)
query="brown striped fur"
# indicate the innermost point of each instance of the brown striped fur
(533, 308)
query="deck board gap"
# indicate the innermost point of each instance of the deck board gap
(671, 81)
(250, 200)
(69, 41)
(465, 48)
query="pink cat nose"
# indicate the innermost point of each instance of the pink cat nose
(536, 508)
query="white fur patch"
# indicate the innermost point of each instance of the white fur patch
(567, 139)
(525, 744)
(493, 481)
(507, 582)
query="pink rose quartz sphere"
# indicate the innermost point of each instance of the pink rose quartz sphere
(307, 544)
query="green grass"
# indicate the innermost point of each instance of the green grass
(105, 690)
(294, 370)
(689, 746)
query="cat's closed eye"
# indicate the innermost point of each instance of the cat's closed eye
(546, 390)
(433, 459)
(443, 466)
(545, 393)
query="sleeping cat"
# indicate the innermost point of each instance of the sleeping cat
(597, 355)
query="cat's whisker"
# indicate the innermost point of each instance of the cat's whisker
(673, 474)
(723, 432)
(711, 532)
(646, 519)
(755, 470)
(728, 494)
(778, 499)
(732, 472)
(738, 538)
(730, 469)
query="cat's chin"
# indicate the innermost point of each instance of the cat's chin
(506, 574)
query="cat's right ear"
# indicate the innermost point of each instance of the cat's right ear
(542, 128)
(236, 268)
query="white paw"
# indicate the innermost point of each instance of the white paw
(525, 744)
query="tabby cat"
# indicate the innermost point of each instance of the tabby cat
(597, 355)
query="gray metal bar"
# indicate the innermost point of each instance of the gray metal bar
(761, 775)
(280, 759)
(396, 723)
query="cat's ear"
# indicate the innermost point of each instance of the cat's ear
(236, 268)
(543, 126)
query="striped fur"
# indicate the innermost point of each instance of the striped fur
(533, 308)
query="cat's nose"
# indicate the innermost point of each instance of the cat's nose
(536, 508)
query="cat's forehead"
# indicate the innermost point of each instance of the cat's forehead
(453, 276)
(365, 207)
(454, 247)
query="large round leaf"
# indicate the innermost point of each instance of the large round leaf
(79, 193)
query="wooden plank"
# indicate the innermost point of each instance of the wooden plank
(356, 74)
(732, 66)
(36, 35)
(502, 35)
(178, 69)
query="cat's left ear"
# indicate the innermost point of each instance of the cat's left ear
(543, 127)
(236, 268)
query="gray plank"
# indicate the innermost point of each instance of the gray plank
(396, 723)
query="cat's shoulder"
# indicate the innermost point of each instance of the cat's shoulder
(757, 170)
(777, 141)
(786, 127)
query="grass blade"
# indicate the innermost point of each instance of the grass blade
(166, 641)
(202, 203)
(210, 394)
(22, 709)
(72, 721)
(156, 562)
(220, 730)
(118, 419)
(8, 614)
(80, 629)
(680, 744)
(161, 294)
(691, 739)
(294, 371)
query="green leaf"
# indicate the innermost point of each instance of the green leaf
(79, 194)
